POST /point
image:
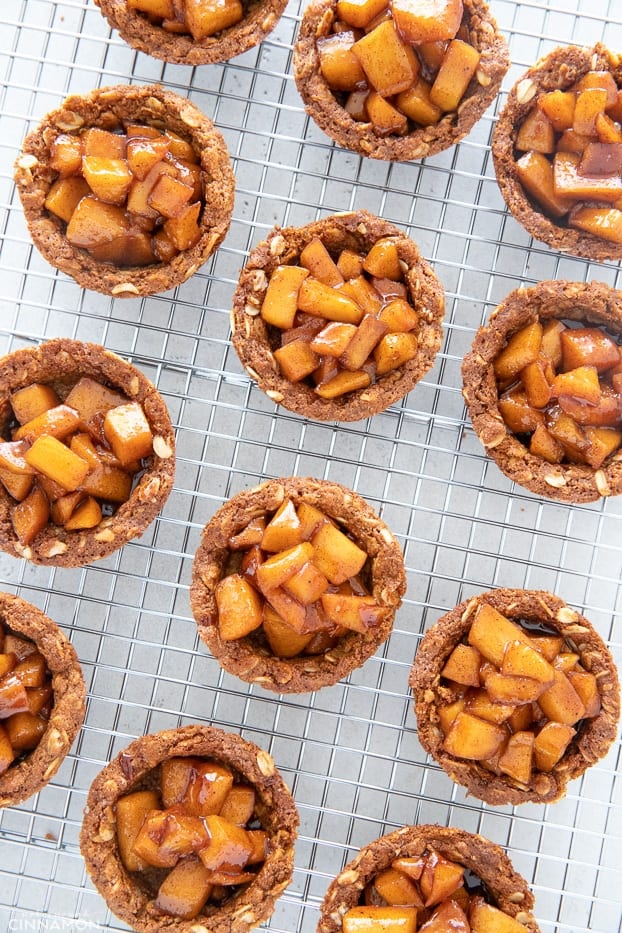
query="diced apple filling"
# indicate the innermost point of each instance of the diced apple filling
(71, 460)
(568, 153)
(26, 696)
(197, 822)
(132, 198)
(517, 697)
(197, 18)
(344, 320)
(561, 386)
(297, 579)
(428, 893)
(400, 65)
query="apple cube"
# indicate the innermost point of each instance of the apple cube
(484, 918)
(491, 633)
(166, 836)
(440, 879)
(323, 301)
(283, 640)
(431, 21)
(283, 531)
(109, 179)
(550, 744)
(523, 660)
(560, 702)
(473, 738)
(517, 757)
(448, 916)
(239, 607)
(521, 349)
(340, 67)
(586, 686)
(307, 584)
(131, 810)
(316, 258)
(296, 360)
(417, 104)
(480, 704)
(208, 17)
(229, 846)
(456, 72)
(239, 804)
(66, 155)
(13, 696)
(185, 890)
(31, 515)
(358, 613)
(462, 665)
(128, 432)
(388, 63)
(396, 888)
(535, 174)
(336, 555)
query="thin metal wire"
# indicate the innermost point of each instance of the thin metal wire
(349, 752)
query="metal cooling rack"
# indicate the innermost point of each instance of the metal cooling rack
(350, 752)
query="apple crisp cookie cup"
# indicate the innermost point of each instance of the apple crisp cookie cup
(256, 341)
(357, 529)
(505, 890)
(112, 109)
(559, 71)
(31, 769)
(417, 141)
(593, 304)
(540, 615)
(256, 20)
(131, 895)
(61, 364)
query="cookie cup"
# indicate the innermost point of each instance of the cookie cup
(136, 768)
(507, 890)
(112, 108)
(250, 657)
(258, 21)
(61, 363)
(557, 71)
(594, 736)
(255, 341)
(35, 768)
(594, 303)
(326, 110)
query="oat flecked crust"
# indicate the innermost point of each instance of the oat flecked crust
(506, 888)
(24, 779)
(255, 342)
(259, 20)
(61, 362)
(111, 108)
(133, 769)
(594, 303)
(593, 738)
(248, 657)
(322, 105)
(558, 70)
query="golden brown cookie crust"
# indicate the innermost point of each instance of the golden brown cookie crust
(61, 362)
(33, 772)
(594, 737)
(259, 20)
(275, 808)
(111, 108)
(255, 342)
(595, 303)
(322, 105)
(558, 70)
(508, 890)
(248, 657)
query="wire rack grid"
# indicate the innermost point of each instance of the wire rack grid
(350, 752)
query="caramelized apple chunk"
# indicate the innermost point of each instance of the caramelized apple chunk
(128, 192)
